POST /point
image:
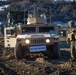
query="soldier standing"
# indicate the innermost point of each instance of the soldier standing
(73, 45)
(72, 41)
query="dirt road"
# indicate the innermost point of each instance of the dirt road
(41, 66)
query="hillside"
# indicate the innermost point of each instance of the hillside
(60, 11)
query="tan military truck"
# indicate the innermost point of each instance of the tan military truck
(34, 37)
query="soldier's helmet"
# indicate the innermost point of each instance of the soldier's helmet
(71, 23)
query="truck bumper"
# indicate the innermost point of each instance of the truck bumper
(37, 49)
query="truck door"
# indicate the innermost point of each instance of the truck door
(9, 37)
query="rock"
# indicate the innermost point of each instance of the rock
(40, 60)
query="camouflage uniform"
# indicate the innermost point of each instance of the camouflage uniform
(73, 45)
(72, 40)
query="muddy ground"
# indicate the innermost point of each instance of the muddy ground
(41, 66)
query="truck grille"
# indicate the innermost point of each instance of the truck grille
(37, 35)
(37, 41)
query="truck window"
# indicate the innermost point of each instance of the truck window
(28, 29)
(10, 32)
(45, 29)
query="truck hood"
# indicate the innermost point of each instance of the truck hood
(36, 35)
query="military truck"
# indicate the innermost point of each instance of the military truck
(33, 38)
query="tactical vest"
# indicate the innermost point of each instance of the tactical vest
(72, 37)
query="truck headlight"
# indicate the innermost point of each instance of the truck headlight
(27, 41)
(47, 40)
(18, 39)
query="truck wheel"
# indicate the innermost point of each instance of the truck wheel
(56, 50)
(18, 52)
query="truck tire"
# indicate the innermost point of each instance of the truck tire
(56, 51)
(18, 52)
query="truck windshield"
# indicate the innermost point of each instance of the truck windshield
(45, 29)
(28, 29)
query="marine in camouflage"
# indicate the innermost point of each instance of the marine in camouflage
(72, 40)
(73, 45)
